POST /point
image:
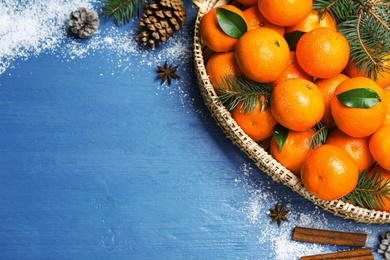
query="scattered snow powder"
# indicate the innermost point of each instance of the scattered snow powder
(33, 27)
(262, 196)
(29, 27)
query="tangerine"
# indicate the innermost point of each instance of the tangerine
(385, 176)
(254, 19)
(323, 52)
(380, 146)
(387, 95)
(357, 147)
(293, 71)
(383, 77)
(358, 122)
(297, 104)
(247, 2)
(285, 12)
(313, 21)
(262, 54)
(327, 88)
(220, 65)
(258, 125)
(329, 172)
(294, 152)
(211, 33)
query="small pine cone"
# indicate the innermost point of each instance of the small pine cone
(159, 20)
(84, 22)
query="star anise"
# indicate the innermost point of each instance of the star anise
(167, 73)
(278, 214)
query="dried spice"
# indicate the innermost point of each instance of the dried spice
(167, 73)
(278, 214)
(360, 253)
(329, 237)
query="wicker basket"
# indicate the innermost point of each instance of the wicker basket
(255, 150)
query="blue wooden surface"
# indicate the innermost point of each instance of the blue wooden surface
(100, 161)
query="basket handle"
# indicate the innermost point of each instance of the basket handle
(200, 5)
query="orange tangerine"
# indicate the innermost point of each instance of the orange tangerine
(385, 176)
(323, 52)
(285, 12)
(313, 21)
(262, 54)
(247, 2)
(219, 65)
(358, 122)
(254, 19)
(327, 88)
(297, 104)
(211, 33)
(380, 146)
(258, 125)
(293, 71)
(383, 78)
(329, 172)
(387, 95)
(294, 152)
(357, 147)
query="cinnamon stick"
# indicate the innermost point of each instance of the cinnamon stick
(354, 254)
(329, 237)
(363, 257)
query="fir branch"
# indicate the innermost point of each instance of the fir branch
(339, 9)
(319, 135)
(237, 90)
(370, 191)
(369, 41)
(366, 26)
(122, 11)
(370, 10)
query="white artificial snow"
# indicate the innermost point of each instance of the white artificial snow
(262, 196)
(31, 27)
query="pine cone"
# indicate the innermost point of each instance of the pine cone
(84, 22)
(159, 20)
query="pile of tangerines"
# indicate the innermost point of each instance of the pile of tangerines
(307, 81)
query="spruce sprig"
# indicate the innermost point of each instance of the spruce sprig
(366, 26)
(369, 191)
(339, 9)
(238, 90)
(319, 135)
(122, 11)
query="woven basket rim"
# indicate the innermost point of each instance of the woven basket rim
(253, 150)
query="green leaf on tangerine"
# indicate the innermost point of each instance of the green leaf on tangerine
(359, 98)
(280, 135)
(231, 23)
(292, 38)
